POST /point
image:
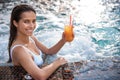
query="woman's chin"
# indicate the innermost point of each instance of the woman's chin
(29, 34)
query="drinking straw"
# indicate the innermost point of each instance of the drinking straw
(70, 19)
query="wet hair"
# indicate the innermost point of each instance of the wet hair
(16, 15)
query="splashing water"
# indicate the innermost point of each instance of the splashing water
(96, 27)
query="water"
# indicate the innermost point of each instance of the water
(96, 27)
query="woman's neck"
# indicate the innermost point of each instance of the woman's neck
(23, 40)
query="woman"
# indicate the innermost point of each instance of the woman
(24, 48)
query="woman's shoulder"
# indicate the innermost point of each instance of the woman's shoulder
(17, 48)
(19, 51)
(33, 38)
(16, 45)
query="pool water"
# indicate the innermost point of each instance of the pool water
(96, 27)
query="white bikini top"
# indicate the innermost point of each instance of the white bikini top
(37, 58)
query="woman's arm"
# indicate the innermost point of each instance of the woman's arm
(21, 56)
(52, 50)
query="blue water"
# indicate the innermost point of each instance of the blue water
(96, 27)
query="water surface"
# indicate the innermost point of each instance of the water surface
(96, 27)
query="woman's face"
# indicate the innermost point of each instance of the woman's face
(26, 24)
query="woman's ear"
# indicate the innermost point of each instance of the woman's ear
(15, 23)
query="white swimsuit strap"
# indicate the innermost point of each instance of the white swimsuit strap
(35, 45)
(32, 40)
(12, 48)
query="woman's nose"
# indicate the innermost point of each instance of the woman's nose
(32, 24)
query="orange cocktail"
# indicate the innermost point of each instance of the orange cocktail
(68, 31)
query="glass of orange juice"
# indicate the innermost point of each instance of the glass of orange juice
(68, 31)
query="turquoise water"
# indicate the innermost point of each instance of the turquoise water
(96, 27)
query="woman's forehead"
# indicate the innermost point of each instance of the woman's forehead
(28, 15)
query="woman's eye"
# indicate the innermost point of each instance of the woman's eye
(34, 21)
(26, 21)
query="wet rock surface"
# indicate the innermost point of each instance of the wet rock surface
(102, 69)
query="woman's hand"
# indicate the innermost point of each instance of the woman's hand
(63, 37)
(60, 61)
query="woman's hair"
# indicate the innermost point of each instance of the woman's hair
(16, 15)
